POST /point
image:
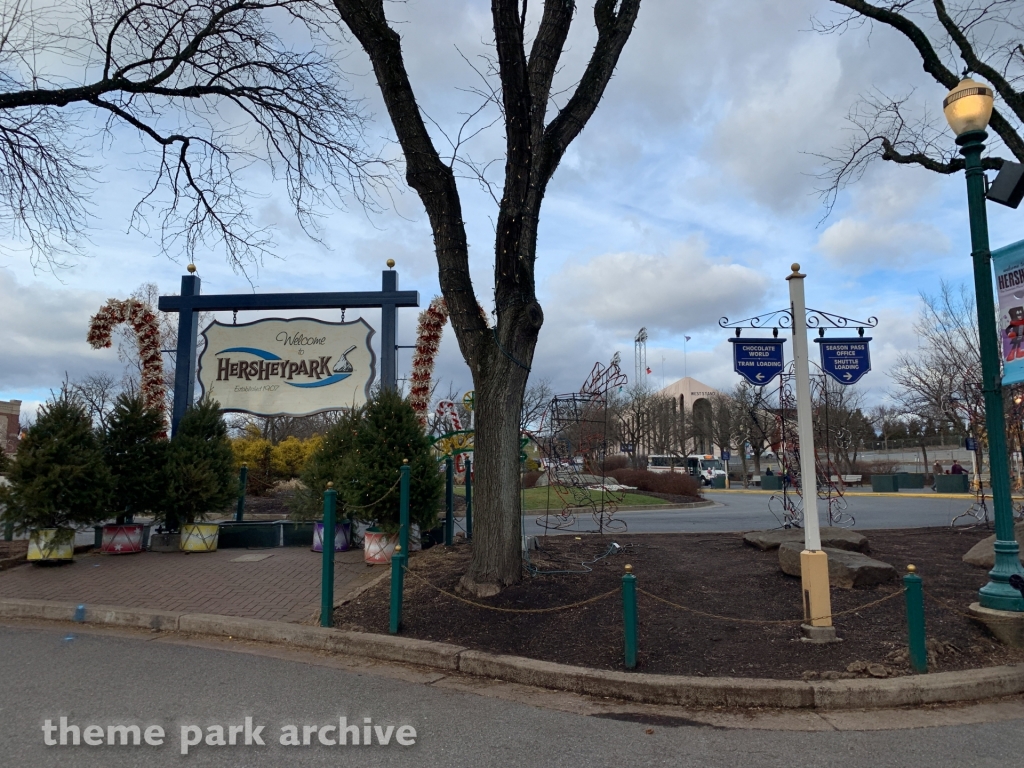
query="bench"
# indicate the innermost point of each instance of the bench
(848, 479)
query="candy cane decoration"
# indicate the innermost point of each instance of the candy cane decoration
(147, 334)
(428, 339)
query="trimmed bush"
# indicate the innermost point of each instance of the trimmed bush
(675, 483)
(530, 479)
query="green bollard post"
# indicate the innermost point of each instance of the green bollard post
(469, 499)
(914, 592)
(629, 615)
(403, 506)
(327, 571)
(243, 477)
(397, 588)
(449, 502)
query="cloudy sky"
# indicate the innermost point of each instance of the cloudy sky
(686, 198)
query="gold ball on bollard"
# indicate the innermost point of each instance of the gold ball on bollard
(629, 569)
(405, 461)
(398, 548)
(330, 485)
(191, 269)
(912, 568)
(391, 263)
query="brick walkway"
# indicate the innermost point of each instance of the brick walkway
(282, 587)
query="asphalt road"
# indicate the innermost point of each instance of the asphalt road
(109, 680)
(750, 512)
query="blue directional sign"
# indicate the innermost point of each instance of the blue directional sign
(845, 360)
(758, 360)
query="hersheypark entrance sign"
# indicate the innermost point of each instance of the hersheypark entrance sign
(275, 367)
(297, 367)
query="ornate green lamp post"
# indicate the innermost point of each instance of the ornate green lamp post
(968, 108)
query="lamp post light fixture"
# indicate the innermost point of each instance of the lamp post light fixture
(968, 108)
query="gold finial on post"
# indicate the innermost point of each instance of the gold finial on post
(398, 548)
(629, 568)
(391, 263)
(405, 461)
(330, 485)
(912, 568)
(191, 269)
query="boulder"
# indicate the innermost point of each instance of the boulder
(983, 553)
(846, 570)
(565, 477)
(834, 538)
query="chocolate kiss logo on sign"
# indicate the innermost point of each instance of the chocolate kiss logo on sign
(296, 367)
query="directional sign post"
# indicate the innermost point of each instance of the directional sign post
(845, 360)
(758, 360)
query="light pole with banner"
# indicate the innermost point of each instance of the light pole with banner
(968, 108)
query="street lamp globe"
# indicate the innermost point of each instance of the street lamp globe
(968, 107)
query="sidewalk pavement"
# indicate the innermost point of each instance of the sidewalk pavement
(282, 586)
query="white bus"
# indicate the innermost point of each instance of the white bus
(706, 467)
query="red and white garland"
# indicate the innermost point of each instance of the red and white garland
(428, 339)
(147, 334)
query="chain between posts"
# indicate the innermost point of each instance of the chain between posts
(461, 599)
(873, 603)
(960, 612)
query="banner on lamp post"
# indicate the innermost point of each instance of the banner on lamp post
(1008, 264)
(296, 367)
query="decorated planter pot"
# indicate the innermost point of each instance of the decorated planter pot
(122, 539)
(378, 547)
(42, 546)
(342, 536)
(199, 537)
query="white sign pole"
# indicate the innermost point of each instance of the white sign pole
(813, 561)
(805, 427)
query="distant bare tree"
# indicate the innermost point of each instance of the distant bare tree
(210, 86)
(979, 36)
(97, 393)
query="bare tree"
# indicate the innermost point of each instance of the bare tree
(536, 399)
(97, 392)
(209, 86)
(500, 356)
(979, 36)
(943, 376)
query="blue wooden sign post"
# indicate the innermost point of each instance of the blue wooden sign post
(190, 302)
(758, 360)
(845, 360)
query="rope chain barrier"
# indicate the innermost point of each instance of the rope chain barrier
(375, 503)
(762, 622)
(461, 599)
(617, 590)
(961, 612)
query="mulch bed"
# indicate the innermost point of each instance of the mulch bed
(709, 572)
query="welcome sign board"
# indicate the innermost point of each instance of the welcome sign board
(297, 367)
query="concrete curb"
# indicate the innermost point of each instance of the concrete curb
(967, 685)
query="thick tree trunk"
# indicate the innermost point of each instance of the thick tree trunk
(497, 525)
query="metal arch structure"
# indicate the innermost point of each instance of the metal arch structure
(783, 318)
(787, 506)
(575, 445)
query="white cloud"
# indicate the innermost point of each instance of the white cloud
(862, 244)
(44, 335)
(680, 291)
